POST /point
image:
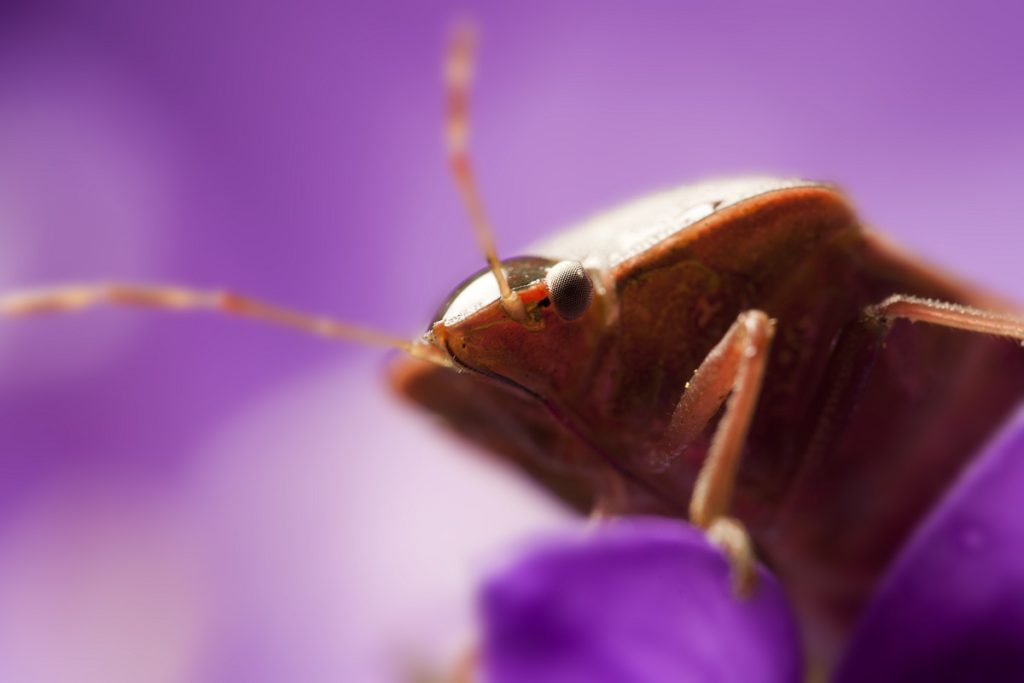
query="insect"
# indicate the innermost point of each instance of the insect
(739, 352)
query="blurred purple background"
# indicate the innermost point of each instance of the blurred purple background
(194, 498)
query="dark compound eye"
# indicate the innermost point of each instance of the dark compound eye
(570, 288)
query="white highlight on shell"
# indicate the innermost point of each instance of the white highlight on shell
(474, 296)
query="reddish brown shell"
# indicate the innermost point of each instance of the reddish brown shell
(578, 403)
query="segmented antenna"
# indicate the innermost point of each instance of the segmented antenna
(171, 297)
(458, 74)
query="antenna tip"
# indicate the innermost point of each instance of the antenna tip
(458, 67)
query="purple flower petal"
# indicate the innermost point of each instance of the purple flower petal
(952, 606)
(638, 600)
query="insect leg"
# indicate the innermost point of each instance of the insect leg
(733, 370)
(175, 298)
(729, 534)
(871, 494)
(949, 315)
(858, 345)
(467, 666)
(734, 367)
(611, 495)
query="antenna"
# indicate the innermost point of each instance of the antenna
(458, 74)
(172, 297)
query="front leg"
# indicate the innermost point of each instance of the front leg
(734, 370)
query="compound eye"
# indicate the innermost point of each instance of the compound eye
(570, 289)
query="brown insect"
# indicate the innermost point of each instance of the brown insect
(741, 352)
